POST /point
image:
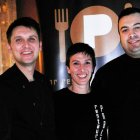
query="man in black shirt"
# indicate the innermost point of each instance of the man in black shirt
(118, 82)
(26, 101)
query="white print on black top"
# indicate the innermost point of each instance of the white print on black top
(101, 121)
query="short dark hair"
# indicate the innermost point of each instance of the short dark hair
(23, 21)
(128, 11)
(80, 48)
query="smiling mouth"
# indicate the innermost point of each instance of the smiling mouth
(82, 75)
(26, 53)
(132, 41)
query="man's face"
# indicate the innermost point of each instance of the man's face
(24, 45)
(129, 29)
(80, 69)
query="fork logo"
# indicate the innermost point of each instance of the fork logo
(61, 24)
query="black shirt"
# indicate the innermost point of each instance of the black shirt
(78, 117)
(118, 85)
(28, 107)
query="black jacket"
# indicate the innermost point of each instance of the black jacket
(118, 86)
(26, 108)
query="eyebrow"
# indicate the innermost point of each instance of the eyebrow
(127, 26)
(79, 60)
(20, 36)
(137, 24)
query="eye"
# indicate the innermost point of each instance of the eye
(124, 30)
(32, 39)
(19, 40)
(75, 63)
(88, 62)
(137, 28)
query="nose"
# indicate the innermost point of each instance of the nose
(25, 44)
(132, 34)
(82, 67)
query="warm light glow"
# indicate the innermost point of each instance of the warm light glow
(4, 8)
(7, 15)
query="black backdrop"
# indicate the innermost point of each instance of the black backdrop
(104, 39)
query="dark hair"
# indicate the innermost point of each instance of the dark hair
(128, 11)
(78, 48)
(23, 21)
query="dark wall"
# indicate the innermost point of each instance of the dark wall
(27, 8)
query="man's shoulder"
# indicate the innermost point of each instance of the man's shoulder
(114, 63)
(115, 60)
(43, 79)
(40, 76)
(110, 69)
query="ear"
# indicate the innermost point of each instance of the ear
(9, 47)
(68, 70)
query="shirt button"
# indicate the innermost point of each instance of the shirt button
(23, 86)
(34, 104)
(41, 123)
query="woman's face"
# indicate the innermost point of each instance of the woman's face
(80, 69)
